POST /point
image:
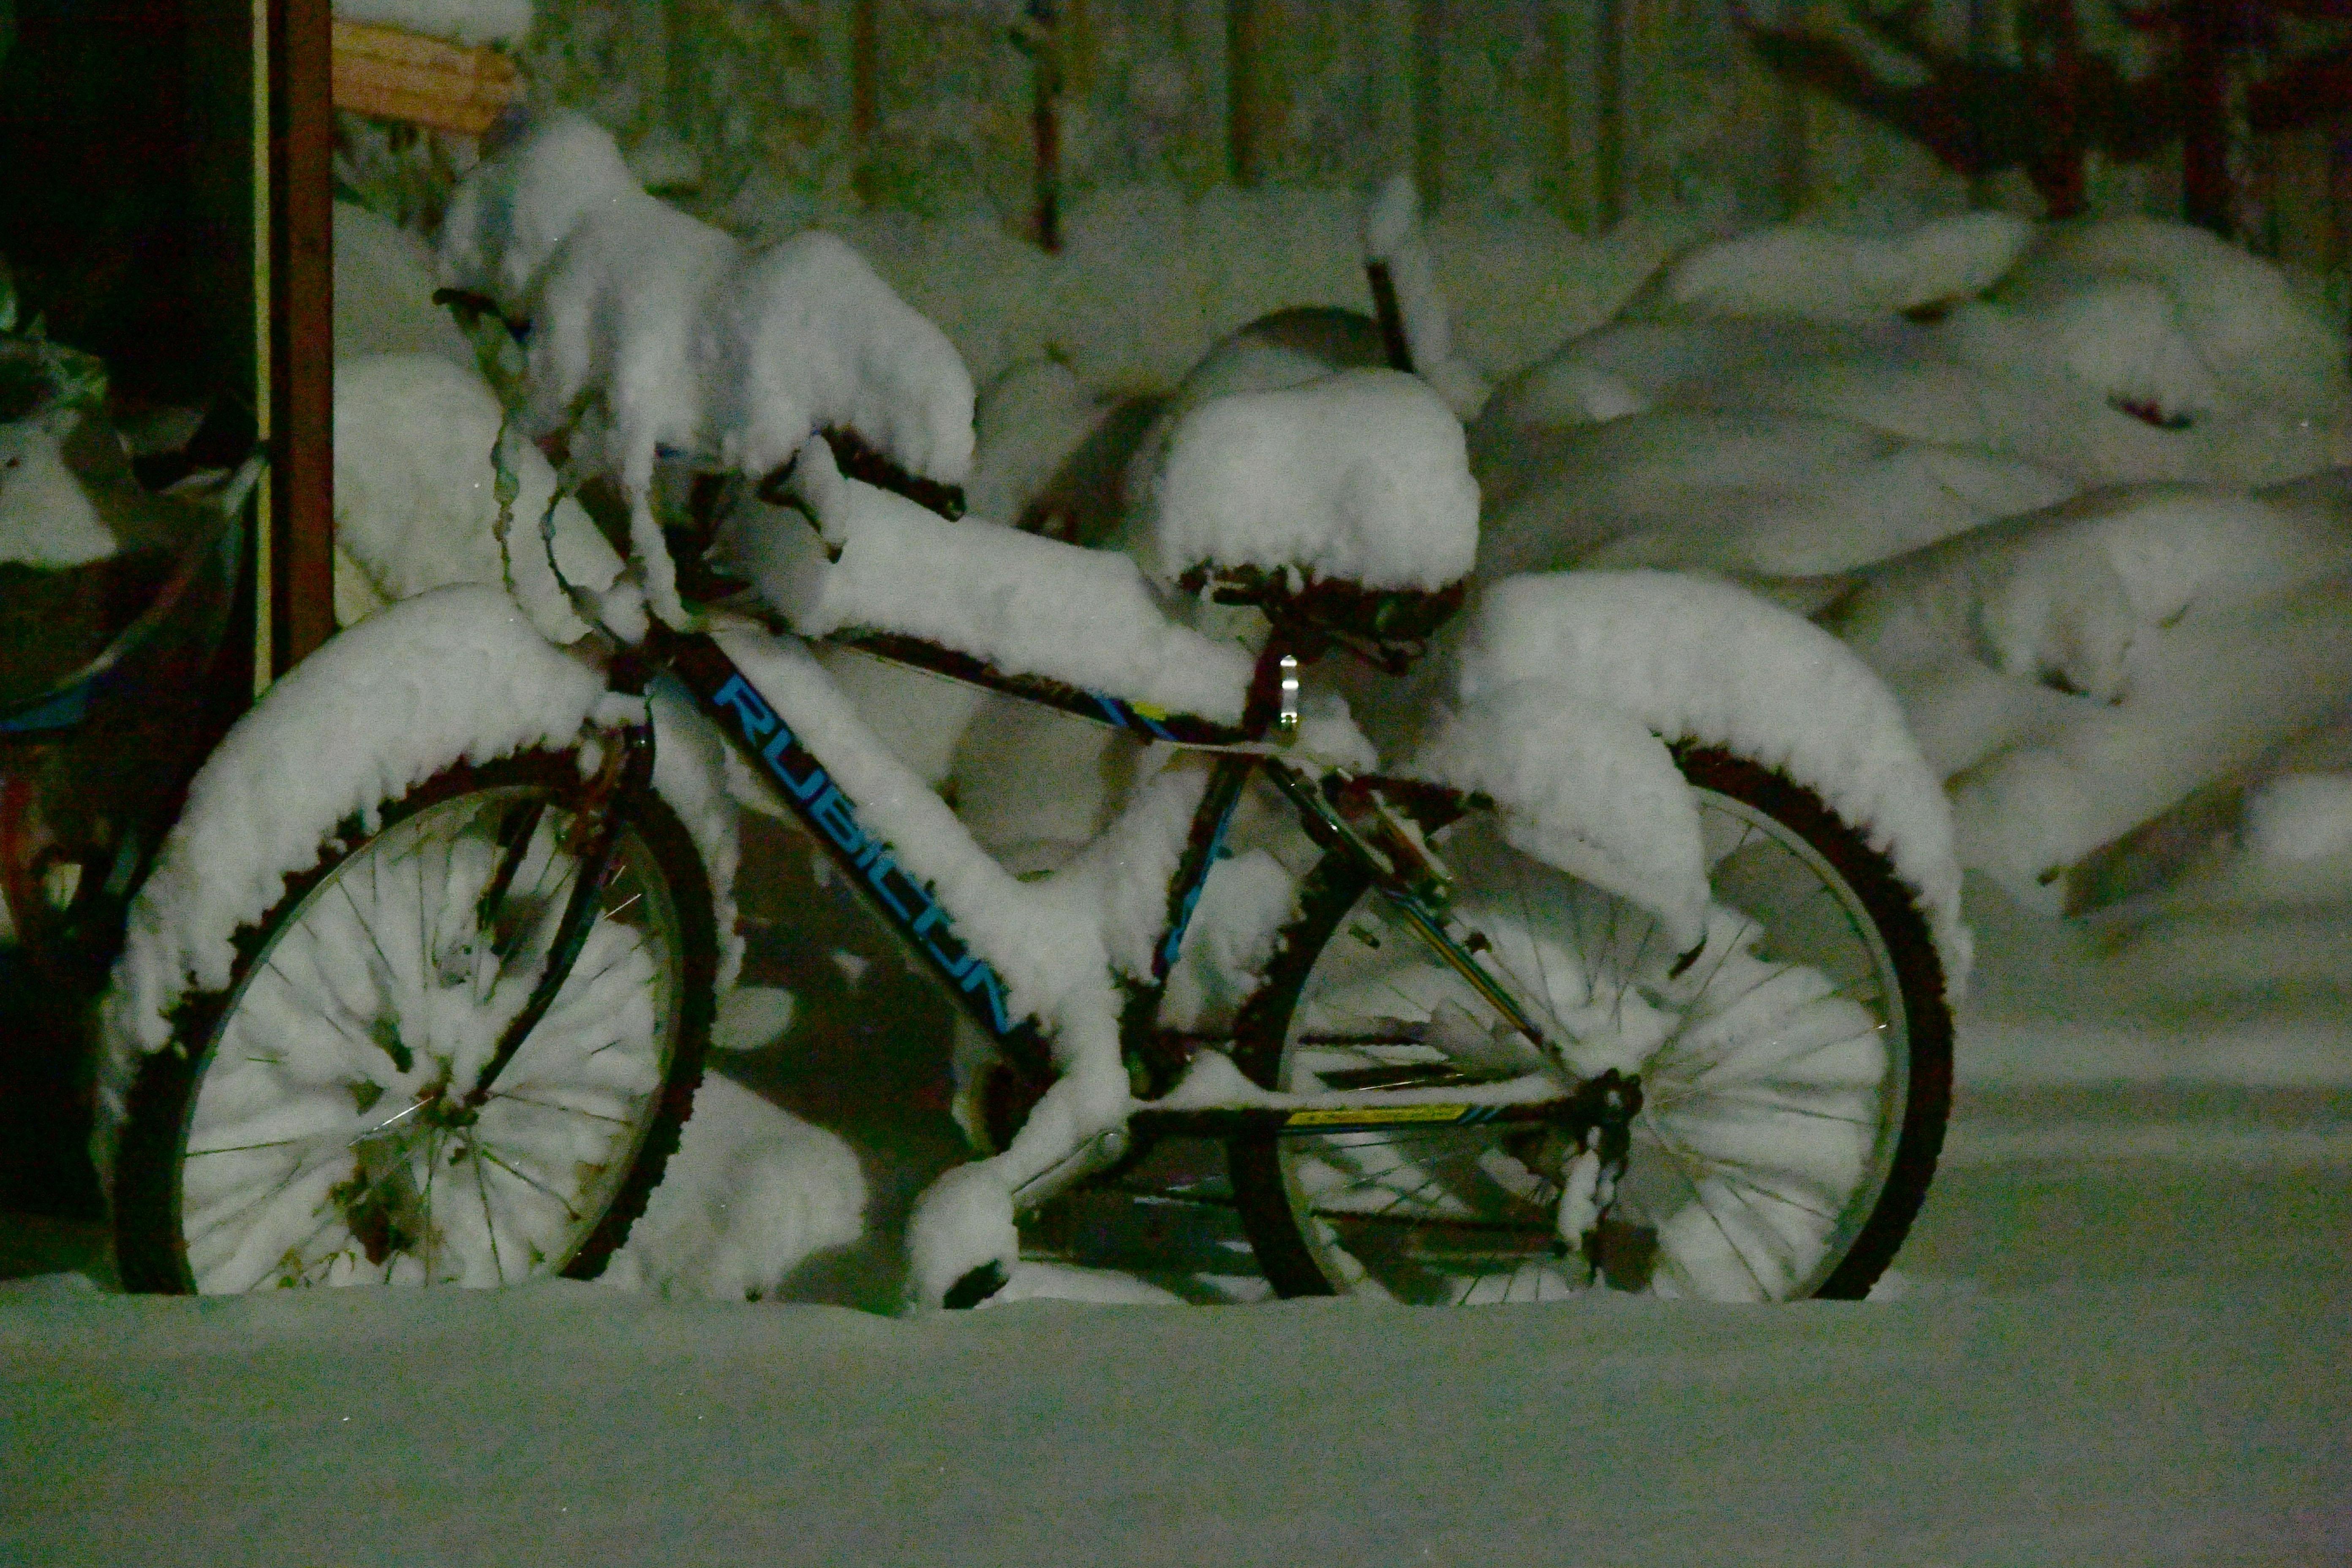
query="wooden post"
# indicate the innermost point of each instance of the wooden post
(301, 585)
(849, 59)
(864, 74)
(1199, 38)
(1045, 46)
(1589, 130)
(1388, 54)
(1249, 114)
(1429, 101)
(2204, 141)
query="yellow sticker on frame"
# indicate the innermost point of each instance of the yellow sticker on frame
(1375, 1115)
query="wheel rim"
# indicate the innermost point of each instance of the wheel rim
(1776, 1073)
(329, 1140)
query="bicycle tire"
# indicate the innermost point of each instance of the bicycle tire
(320, 1034)
(1335, 1214)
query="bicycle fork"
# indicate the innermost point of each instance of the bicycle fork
(627, 772)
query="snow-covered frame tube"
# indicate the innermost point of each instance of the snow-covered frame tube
(749, 720)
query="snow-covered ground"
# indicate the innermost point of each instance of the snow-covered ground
(2119, 1339)
(2115, 1336)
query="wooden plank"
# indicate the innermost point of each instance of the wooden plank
(399, 76)
(1388, 53)
(1429, 100)
(1590, 132)
(1253, 111)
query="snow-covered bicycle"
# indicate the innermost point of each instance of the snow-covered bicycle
(460, 1044)
(1649, 991)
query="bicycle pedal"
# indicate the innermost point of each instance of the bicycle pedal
(975, 1287)
(1625, 1255)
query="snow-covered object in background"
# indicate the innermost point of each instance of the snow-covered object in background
(2210, 696)
(457, 21)
(2297, 818)
(1148, 279)
(2121, 337)
(1393, 237)
(1784, 451)
(2262, 344)
(803, 335)
(415, 506)
(1819, 274)
(1751, 490)
(1692, 659)
(752, 1017)
(1026, 425)
(750, 1194)
(1028, 605)
(2070, 599)
(1582, 786)
(2205, 627)
(1360, 476)
(46, 519)
(454, 674)
(383, 292)
(508, 218)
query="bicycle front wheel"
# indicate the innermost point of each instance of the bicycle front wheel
(313, 1122)
(1796, 1076)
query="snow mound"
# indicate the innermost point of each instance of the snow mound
(752, 1192)
(1029, 422)
(2300, 817)
(384, 291)
(416, 507)
(2261, 344)
(46, 519)
(1361, 476)
(1816, 275)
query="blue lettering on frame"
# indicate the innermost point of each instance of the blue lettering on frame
(833, 814)
(981, 978)
(750, 710)
(911, 904)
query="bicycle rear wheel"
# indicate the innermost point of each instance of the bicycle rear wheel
(1796, 1077)
(308, 1123)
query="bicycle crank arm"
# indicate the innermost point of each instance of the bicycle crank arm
(1096, 1154)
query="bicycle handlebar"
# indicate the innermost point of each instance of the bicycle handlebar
(859, 459)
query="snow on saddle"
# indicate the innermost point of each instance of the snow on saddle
(1361, 477)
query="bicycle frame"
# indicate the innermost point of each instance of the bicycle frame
(1600, 1106)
